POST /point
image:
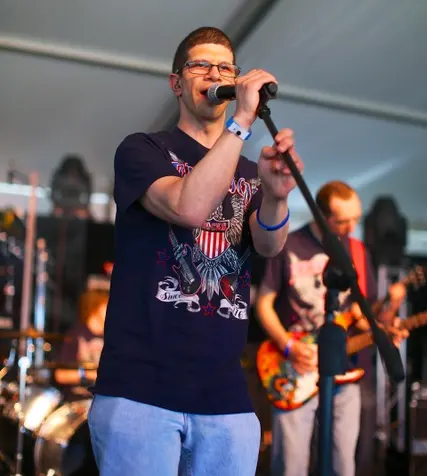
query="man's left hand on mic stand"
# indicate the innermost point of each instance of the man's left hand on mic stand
(270, 224)
(277, 180)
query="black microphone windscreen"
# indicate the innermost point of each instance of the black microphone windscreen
(218, 93)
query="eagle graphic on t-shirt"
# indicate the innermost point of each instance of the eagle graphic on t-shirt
(211, 265)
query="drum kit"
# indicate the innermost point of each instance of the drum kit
(43, 431)
(43, 425)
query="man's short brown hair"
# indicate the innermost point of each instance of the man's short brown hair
(201, 36)
(335, 188)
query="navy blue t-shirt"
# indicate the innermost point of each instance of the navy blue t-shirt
(178, 311)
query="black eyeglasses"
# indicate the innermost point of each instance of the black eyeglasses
(204, 67)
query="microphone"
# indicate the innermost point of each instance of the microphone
(217, 93)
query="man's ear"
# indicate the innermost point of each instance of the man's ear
(175, 84)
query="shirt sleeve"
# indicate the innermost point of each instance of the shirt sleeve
(138, 163)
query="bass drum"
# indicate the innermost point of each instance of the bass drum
(63, 446)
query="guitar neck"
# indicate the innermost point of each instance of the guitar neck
(414, 321)
(173, 239)
(357, 343)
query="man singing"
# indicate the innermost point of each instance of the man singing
(171, 397)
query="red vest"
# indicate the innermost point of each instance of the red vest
(358, 255)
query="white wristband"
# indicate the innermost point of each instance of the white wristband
(233, 127)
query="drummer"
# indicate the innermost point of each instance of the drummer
(83, 342)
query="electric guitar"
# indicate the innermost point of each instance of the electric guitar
(188, 276)
(287, 389)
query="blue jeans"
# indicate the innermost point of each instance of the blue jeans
(293, 430)
(134, 439)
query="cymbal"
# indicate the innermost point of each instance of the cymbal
(31, 334)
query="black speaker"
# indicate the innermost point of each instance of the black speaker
(77, 248)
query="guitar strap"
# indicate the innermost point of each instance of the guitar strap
(358, 256)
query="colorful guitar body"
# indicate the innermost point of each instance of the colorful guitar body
(286, 389)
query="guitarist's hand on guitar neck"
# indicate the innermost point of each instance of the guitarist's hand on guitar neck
(396, 332)
(303, 357)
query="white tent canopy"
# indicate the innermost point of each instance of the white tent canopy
(76, 77)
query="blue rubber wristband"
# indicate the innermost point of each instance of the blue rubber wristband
(274, 227)
(289, 344)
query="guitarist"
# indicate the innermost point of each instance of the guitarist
(291, 298)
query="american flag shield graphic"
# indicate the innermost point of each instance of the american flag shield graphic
(212, 239)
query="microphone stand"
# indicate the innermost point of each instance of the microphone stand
(339, 275)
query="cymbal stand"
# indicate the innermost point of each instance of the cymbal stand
(30, 235)
(24, 360)
(23, 364)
